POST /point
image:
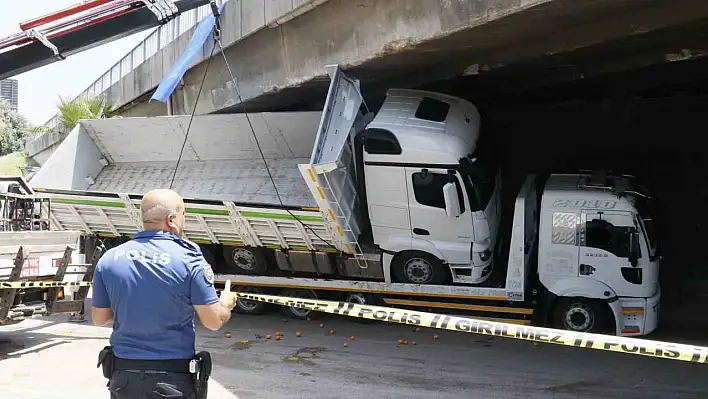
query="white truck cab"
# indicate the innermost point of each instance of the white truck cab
(598, 242)
(419, 167)
(433, 208)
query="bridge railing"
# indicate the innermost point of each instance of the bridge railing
(166, 34)
(156, 41)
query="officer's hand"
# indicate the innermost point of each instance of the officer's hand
(227, 299)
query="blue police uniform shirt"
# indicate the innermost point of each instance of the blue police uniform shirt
(151, 283)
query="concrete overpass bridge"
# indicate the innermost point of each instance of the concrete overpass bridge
(279, 61)
(500, 54)
(479, 49)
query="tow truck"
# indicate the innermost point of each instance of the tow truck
(400, 207)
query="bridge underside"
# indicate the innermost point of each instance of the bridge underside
(482, 50)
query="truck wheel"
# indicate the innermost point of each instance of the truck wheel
(416, 267)
(360, 299)
(581, 315)
(298, 313)
(247, 306)
(246, 260)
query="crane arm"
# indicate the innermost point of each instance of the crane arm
(55, 36)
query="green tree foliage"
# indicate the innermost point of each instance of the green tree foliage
(13, 129)
(71, 112)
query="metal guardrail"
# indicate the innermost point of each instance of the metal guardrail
(156, 41)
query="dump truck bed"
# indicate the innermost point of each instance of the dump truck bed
(237, 180)
(97, 176)
(220, 161)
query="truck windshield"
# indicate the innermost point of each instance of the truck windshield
(645, 208)
(647, 225)
(479, 182)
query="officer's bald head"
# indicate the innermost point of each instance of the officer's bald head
(163, 209)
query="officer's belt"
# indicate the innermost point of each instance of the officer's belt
(169, 366)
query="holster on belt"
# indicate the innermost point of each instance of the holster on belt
(201, 378)
(106, 360)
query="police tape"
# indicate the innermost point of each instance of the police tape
(7, 285)
(632, 346)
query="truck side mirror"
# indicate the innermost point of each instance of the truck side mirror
(452, 201)
(633, 247)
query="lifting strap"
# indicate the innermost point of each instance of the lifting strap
(164, 10)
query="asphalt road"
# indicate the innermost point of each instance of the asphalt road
(49, 358)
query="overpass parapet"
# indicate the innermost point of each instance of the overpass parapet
(141, 70)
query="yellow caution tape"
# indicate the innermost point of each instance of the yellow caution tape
(6, 285)
(633, 346)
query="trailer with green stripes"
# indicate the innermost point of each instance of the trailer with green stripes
(238, 233)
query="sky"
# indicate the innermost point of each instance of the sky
(39, 89)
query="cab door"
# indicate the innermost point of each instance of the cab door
(429, 221)
(605, 252)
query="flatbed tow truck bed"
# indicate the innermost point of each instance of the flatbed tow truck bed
(110, 215)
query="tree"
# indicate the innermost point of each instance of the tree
(71, 112)
(13, 129)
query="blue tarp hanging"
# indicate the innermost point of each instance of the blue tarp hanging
(186, 59)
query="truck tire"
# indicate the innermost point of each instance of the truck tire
(360, 299)
(243, 260)
(247, 306)
(417, 267)
(582, 315)
(297, 313)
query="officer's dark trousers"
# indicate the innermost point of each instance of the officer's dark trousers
(139, 384)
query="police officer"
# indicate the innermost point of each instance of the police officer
(151, 287)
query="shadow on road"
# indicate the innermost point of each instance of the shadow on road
(36, 335)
